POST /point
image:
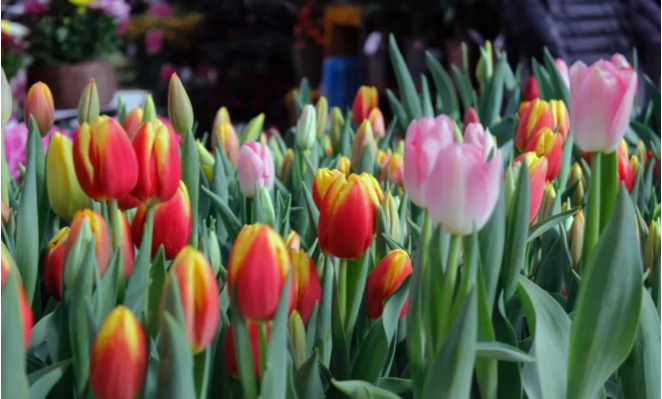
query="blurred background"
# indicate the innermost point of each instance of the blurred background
(249, 55)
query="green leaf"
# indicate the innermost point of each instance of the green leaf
(311, 207)
(426, 102)
(507, 371)
(405, 83)
(490, 105)
(157, 277)
(14, 381)
(346, 137)
(227, 216)
(276, 374)
(362, 390)
(504, 130)
(243, 353)
(491, 242)
(543, 80)
(486, 368)
(541, 227)
(307, 379)
(176, 364)
(464, 87)
(397, 109)
(550, 329)
(42, 381)
(517, 228)
(503, 352)
(444, 85)
(191, 178)
(323, 326)
(357, 273)
(253, 129)
(395, 385)
(560, 89)
(606, 317)
(451, 372)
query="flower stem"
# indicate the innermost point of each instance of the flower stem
(147, 245)
(263, 344)
(592, 230)
(608, 186)
(450, 279)
(115, 224)
(342, 290)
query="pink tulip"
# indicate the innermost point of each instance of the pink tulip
(601, 99)
(466, 188)
(425, 139)
(562, 67)
(475, 134)
(255, 166)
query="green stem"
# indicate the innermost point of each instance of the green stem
(427, 285)
(148, 233)
(115, 224)
(262, 343)
(592, 229)
(608, 186)
(342, 290)
(450, 278)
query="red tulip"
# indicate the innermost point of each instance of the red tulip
(548, 144)
(537, 172)
(531, 91)
(626, 173)
(365, 101)
(39, 104)
(132, 121)
(323, 180)
(98, 228)
(471, 116)
(54, 263)
(308, 290)
(384, 279)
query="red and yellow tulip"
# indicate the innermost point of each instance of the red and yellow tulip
(39, 104)
(323, 180)
(308, 290)
(64, 192)
(132, 121)
(537, 172)
(293, 241)
(394, 169)
(54, 263)
(550, 145)
(537, 114)
(384, 279)
(365, 101)
(98, 228)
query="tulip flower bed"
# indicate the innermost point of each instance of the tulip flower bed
(480, 244)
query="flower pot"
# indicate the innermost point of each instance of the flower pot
(68, 81)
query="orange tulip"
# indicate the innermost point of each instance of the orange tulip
(225, 136)
(54, 263)
(376, 119)
(98, 228)
(39, 104)
(118, 361)
(308, 289)
(384, 279)
(537, 172)
(548, 144)
(365, 101)
(323, 180)
(344, 165)
(395, 169)
(132, 121)
(230, 355)
(626, 173)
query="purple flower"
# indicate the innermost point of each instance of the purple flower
(117, 8)
(153, 41)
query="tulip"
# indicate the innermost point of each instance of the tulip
(470, 116)
(576, 238)
(485, 65)
(326, 145)
(537, 114)
(229, 350)
(382, 157)
(257, 270)
(577, 179)
(132, 121)
(642, 153)
(475, 134)
(222, 116)
(635, 165)
(466, 188)
(64, 192)
(207, 160)
(307, 288)
(376, 119)
(6, 211)
(172, 224)
(394, 169)
(54, 263)
(24, 309)
(384, 279)
(104, 159)
(225, 137)
(321, 183)
(424, 140)
(337, 126)
(180, 110)
(548, 144)
(118, 361)
(322, 115)
(7, 100)
(625, 172)
(363, 141)
(346, 218)
(365, 101)
(652, 251)
(149, 110)
(99, 230)
(128, 202)
(344, 165)
(286, 166)
(306, 126)
(293, 241)
(531, 91)
(601, 99)
(255, 167)
(39, 104)
(537, 172)
(88, 105)
(198, 291)
(548, 198)
(392, 217)
(373, 189)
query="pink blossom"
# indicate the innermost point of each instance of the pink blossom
(153, 41)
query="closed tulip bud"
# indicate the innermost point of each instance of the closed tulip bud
(470, 116)
(548, 197)
(306, 126)
(466, 188)
(373, 189)
(344, 165)
(267, 207)
(365, 101)
(172, 223)
(376, 119)
(198, 292)
(255, 167)
(88, 105)
(159, 165)
(293, 241)
(384, 279)
(127, 244)
(424, 140)
(98, 229)
(625, 173)
(635, 165)
(537, 171)
(395, 169)
(54, 263)
(550, 145)
(326, 144)
(297, 332)
(346, 218)
(485, 66)
(226, 138)
(257, 270)
(286, 166)
(132, 121)
(382, 157)
(214, 251)
(392, 217)
(321, 183)
(652, 251)
(337, 126)
(576, 238)
(601, 99)
(222, 116)
(253, 129)
(577, 179)
(180, 110)
(118, 361)
(308, 289)
(39, 104)
(7, 99)
(149, 109)
(322, 114)
(207, 160)
(253, 338)
(105, 160)
(531, 91)
(64, 192)
(363, 141)
(642, 153)
(537, 114)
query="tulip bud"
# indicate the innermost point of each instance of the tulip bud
(537, 114)
(346, 218)
(321, 183)
(382, 157)
(98, 229)
(172, 223)
(577, 178)
(180, 110)
(550, 145)
(226, 138)
(7, 99)
(253, 338)
(322, 114)
(561, 120)
(255, 166)
(207, 161)
(308, 290)
(105, 160)
(326, 145)
(127, 244)
(257, 270)
(88, 105)
(54, 263)
(305, 134)
(344, 165)
(293, 241)
(39, 104)
(364, 141)
(7, 266)
(548, 197)
(337, 126)
(576, 238)
(267, 207)
(376, 119)
(286, 166)
(64, 192)
(149, 108)
(470, 116)
(537, 171)
(384, 279)
(118, 361)
(485, 66)
(214, 251)
(373, 189)
(297, 332)
(392, 217)
(365, 101)
(222, 116)
(652, 251)
(635, 165)
(531, 91)
(132, 122)
(394, 169)
(642, 153)
(198, 292)
(625, 174)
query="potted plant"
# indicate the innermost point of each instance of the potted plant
(70, 42)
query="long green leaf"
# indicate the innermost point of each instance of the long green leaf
(517, 228)
(42, 381)
(276, 374)
(405, 82)
(176, 362)
(355, 389)
(444, 85)
(503, 352)
(541, 227)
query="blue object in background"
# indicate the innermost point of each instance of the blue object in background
(340, 80)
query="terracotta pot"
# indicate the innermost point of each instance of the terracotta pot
(68, 81)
